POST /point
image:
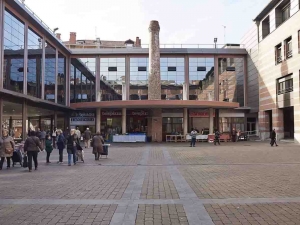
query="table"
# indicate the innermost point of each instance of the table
(199, 137)
(175, 138)
(129, 138)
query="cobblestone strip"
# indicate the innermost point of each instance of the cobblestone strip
(197, 214)
(125, 215)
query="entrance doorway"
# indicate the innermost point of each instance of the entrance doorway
(288, 121)
(251, 126)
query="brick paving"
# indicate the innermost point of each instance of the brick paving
(235, 183)
(158, 184)
(255, 214)
(161, 214)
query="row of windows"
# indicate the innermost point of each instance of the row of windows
(287, 50)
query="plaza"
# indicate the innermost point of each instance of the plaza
(143, 184)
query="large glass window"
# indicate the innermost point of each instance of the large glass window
(172, 78)
(61, 79)
(112, 71)
(34, 71)
(90, 64)
(82, 82)
(50, 76)
(231, 80)
(201, 79)
(138, 78)
(13, 70)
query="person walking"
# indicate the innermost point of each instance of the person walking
(60, 145)
(72, 142)
(87, 137)
(193, 135)
(233, 135)
(273, 138)
(217, 137)
(78, 133)
(32, 147)
(97, 143)
(43, 138)
(7, 146)
(48, 147)
(54, 137)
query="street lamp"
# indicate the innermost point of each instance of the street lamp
(55, 29)
(215, 41)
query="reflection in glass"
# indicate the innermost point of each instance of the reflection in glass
(50, 76)
(201, 79)
(61, 79)
(231, 80)
(138, 79)
(34, 71)
(172, 78)
(112, 71)
(13, 67)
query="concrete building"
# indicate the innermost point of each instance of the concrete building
(150, 92)
(273, 69)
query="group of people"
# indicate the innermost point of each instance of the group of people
(194, 134)
(38, 141)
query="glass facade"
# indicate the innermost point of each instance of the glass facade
(61, 79)
(201, 79)
(82, 82)
(34, 65)
(50, 64)
(231, 80)
(112, 72)
(172, 78)
(138, 78)
(14, 42)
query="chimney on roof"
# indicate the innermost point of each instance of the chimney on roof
(58, 36)
(72, 38)
(138, 42)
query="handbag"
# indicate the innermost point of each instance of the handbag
(9, 150)
(25, 161)
(78, 147)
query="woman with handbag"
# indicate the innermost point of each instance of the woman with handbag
(7, 146)
(97, 144)
(32, 147)
(72, 143)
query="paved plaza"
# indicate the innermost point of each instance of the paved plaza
(152, 184)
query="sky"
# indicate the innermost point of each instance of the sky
(181, 21)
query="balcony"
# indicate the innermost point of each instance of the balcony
(289, 54)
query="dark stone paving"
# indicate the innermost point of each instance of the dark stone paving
(235, 183)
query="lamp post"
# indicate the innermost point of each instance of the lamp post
(215, 41)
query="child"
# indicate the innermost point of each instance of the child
(49, 147)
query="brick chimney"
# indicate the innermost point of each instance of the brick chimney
(58, 36)
(72, 38)
(138, 42)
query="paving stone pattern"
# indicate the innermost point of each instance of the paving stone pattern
(171, 183)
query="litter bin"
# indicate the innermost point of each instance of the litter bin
(149, 138)
(105, 150)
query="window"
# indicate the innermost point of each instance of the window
(278, 56)
(172, 68)
(285, 85)
(142, 68)
(266, 27)
(282, 12)
(112, 69)
(286, 12)
(288, 48)
(201, 68)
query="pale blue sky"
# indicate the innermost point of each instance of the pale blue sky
(181, 21)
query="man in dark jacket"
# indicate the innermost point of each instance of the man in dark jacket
(97, 144)
(87, 137)
(233, 135)
(273, 138)
(32, 147)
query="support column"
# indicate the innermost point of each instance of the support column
(277, 123)
(154, 81)
(56, 72)
(55, 120)
(1, 115)
(98, 120)
(211, 120)
(98, 80)
(25, 127)
(40, 122)
(25, 59)
(1, 48)
(156, 125)
(127, 78)
(185, 121)
(216, 75)
(123, 120)
(264, 124)
(68, 77)
(216, 119)
(43, 65)
(186, 84)
(124, 92)
(245, 82)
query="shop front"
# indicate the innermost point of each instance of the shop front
(83, 120)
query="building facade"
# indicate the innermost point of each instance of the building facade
(152, 91)
(273, 69)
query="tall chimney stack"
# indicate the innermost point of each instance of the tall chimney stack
(72, 38)
(58, 36)
(154, 81)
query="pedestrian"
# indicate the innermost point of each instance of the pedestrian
(43, 138)
(87, 137)
(273, 138)
(49, 148)
(233, 135)
(54, 137)
(32, 147)
(97, 144)
(217, 137)
(7, 147)
(78, 133)
(194, 136)
(72, 142)
(38, 133)
(60, 145)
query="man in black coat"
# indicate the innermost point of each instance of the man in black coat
(273, 138)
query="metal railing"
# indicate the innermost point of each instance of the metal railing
(279, 59)
(289, 54)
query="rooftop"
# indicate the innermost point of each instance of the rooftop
(266, 10)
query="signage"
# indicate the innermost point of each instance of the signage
(82, 119)
(201, 114)
(129, 113)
